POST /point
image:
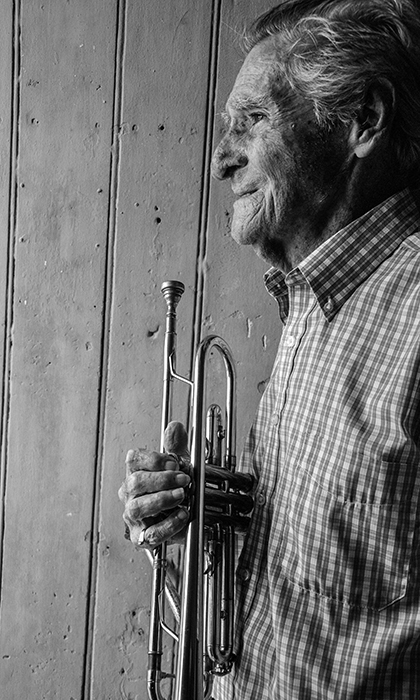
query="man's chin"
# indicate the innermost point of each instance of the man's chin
(241, 234)
(247, 219)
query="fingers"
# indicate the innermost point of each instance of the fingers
(176, 439)
(145, 514)
(166, 529)
(139, 516)
(154, 534)
(154, 489)
(138, 460)
(139, 483)
(153, 504)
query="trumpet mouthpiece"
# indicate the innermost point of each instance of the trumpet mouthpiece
(172, 290)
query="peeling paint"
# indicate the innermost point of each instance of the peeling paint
(262, 385)
(153, 332)
(157, 247)
(249, 325)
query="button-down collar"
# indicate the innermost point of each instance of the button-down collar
(343, 262)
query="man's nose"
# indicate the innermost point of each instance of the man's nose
(227, 160)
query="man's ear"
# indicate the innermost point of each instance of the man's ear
(374, 119)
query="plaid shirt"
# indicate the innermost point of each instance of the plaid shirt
(328, 581)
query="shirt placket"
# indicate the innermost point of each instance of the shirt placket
(302, 303)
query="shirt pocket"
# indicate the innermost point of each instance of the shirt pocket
(350, 550)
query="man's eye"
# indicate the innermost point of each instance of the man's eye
(256, 117)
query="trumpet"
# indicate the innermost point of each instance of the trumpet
(219, 504)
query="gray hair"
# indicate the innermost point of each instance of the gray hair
(333, 51)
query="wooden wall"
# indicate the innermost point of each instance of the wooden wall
(108, 117)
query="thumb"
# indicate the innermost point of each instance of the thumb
(176, 440)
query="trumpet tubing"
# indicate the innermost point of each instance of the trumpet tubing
(219, 501)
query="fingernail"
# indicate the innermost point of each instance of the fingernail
(183, 515)
(178, 493)
(182, 479)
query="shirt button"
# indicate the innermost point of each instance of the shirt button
(261, 498)
(290, 341)
(275, 420)
(329, 306)
(244, 575)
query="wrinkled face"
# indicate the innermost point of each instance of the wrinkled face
(284, 170)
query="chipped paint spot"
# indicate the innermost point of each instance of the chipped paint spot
(249, 325)
(262, 385)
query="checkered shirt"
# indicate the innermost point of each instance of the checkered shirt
(328, 580)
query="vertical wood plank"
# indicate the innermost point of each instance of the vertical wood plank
(65, 134)
(158, 213)
(8, 144)
(236, 304)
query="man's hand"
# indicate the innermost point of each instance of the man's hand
(154, 488)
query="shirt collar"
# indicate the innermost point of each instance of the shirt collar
(344, 261)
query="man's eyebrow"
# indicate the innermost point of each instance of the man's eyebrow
(248, 103)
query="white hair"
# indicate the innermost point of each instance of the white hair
(332, 52)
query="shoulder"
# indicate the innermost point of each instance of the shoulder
(407, 259)
(395, 284)
(406, 276)
(413, 242)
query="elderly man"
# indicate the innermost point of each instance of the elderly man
(322, 149)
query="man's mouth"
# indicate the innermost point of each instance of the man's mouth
(244, 193)
(248, 202)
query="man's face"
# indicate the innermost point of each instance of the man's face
(286, 172)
